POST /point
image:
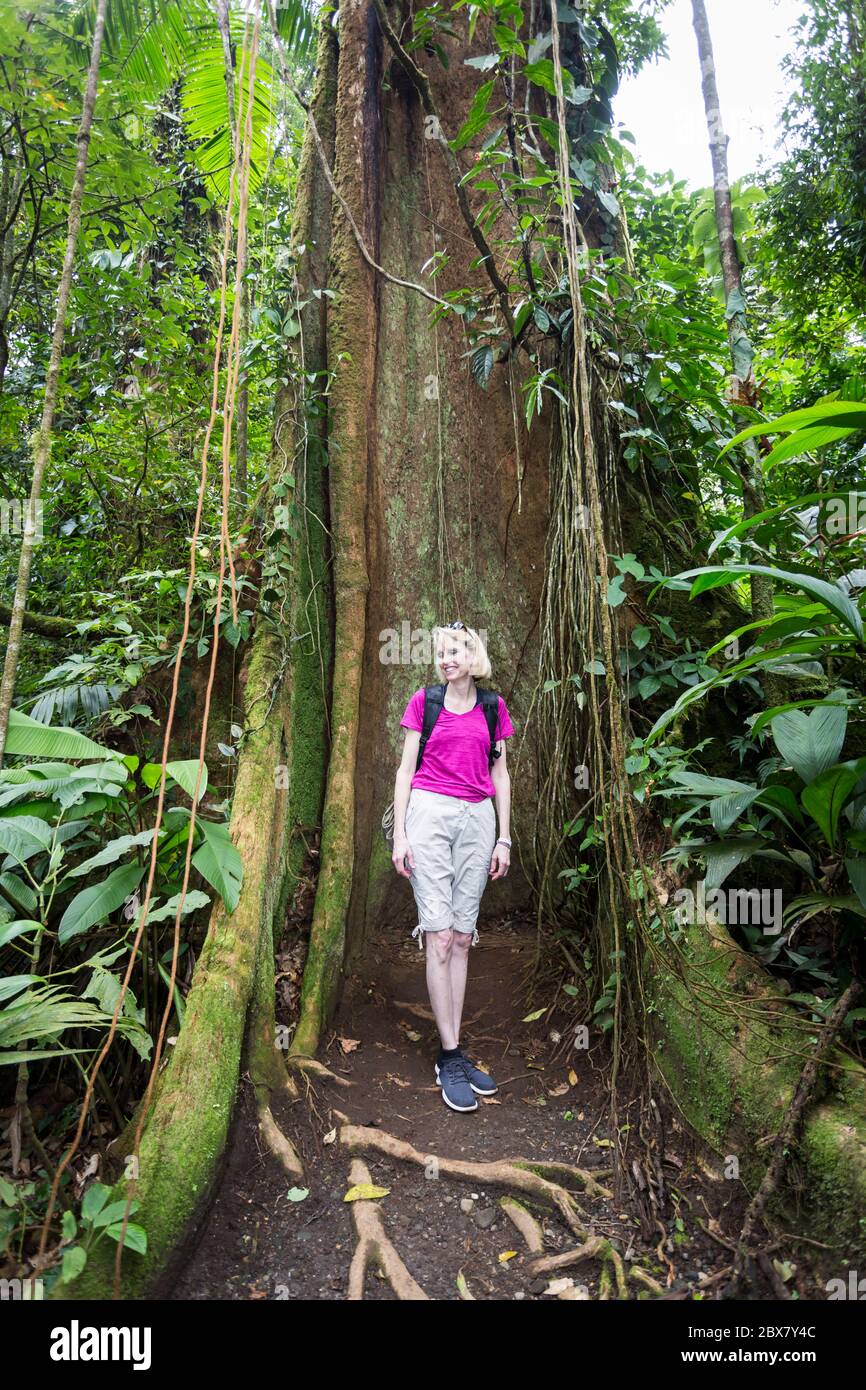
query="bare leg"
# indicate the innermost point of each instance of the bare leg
(439, 953)
(459, 968)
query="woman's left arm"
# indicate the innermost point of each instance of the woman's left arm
(501, 857)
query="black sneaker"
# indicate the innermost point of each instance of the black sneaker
(456, 1091)
(481, 1083)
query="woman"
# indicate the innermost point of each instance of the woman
(445, 839)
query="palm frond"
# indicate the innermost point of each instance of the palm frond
(205, 107)
(296, 25)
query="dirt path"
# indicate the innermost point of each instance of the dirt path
(258, 1242)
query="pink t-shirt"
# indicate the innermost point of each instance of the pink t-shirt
(458, 750)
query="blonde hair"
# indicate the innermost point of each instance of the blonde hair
(480, 668)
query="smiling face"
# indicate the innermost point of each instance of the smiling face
(453, 657)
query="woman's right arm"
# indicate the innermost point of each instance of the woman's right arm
(402, 855)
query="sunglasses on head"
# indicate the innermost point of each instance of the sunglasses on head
(455, 627)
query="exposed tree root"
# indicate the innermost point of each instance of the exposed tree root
(281, 1147)
(417, 1009)
(592, 1187)
(639, 1274)
(517, 1173)
(526, 1177)
(374, 1247)
(595, 1248)
(309, 1064)
(525, 1222)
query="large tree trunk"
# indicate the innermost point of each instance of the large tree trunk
(409, 429)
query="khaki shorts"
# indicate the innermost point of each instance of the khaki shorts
(452, 843)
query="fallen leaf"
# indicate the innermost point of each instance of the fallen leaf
(531, 1018)
(365, 1192)
(559, 1090)
(349, 1044)
(297, 1194)
(330, 1136)
(572, 1078)
(506, 1255)
(463, 1287)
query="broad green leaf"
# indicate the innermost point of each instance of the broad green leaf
(811, 904)
(20, 893)
(804, 442)
(724, 856)
(74, 1260)
(478, 115)
(191, 903)
(848, 413)
(762, 720)
(825, 797)
(23, 837)
(219, 862)
(726, 809)
(28, 738)
(831, 595)
(94, 1200)
(184, 773)
(135, 1239)
(111, 852)
(94, 904)
(697, 784)
(811, 742)
(857, 874)
(10, 931)
(10, 985)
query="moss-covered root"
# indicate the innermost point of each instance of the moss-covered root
(185, 1132)
(599, 1248)
(595, 1248)
(265, 1063)
(517, 1174)
(374, 1247)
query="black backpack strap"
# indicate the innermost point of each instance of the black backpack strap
(489, 701)
(434, 703)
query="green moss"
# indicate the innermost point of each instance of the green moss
(734, 1078)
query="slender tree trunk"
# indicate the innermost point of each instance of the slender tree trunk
(242, 408)
(742, 380)
(42, 447)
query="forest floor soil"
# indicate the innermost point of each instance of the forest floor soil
(265, 1237)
